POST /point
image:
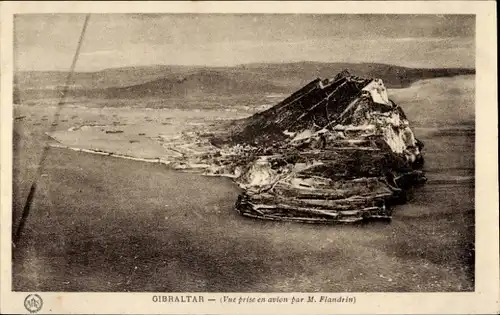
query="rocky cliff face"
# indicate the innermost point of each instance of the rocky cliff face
(337, 150)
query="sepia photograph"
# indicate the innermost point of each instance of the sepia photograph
(362, 122)
(193, 153)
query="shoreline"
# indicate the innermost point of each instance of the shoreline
(95, 218)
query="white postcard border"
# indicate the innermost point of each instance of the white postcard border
(484, 300)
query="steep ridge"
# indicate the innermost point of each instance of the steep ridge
(337, 150)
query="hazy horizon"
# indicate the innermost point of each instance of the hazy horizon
(229, 66)
(47, 42)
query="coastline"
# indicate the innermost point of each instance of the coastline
(180, 230)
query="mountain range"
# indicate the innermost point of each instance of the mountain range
(165, 81)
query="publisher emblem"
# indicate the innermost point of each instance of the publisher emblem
(33, 303)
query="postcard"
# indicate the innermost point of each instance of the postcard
(249, 157)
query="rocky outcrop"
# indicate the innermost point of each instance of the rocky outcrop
(337, 150)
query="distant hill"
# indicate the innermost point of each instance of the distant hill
(196, 84)
(299, 73)
(113, 77)
(180, 81)
(177, 85)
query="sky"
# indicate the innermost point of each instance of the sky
(48, 41)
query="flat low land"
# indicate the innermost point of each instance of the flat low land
(102, 223)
